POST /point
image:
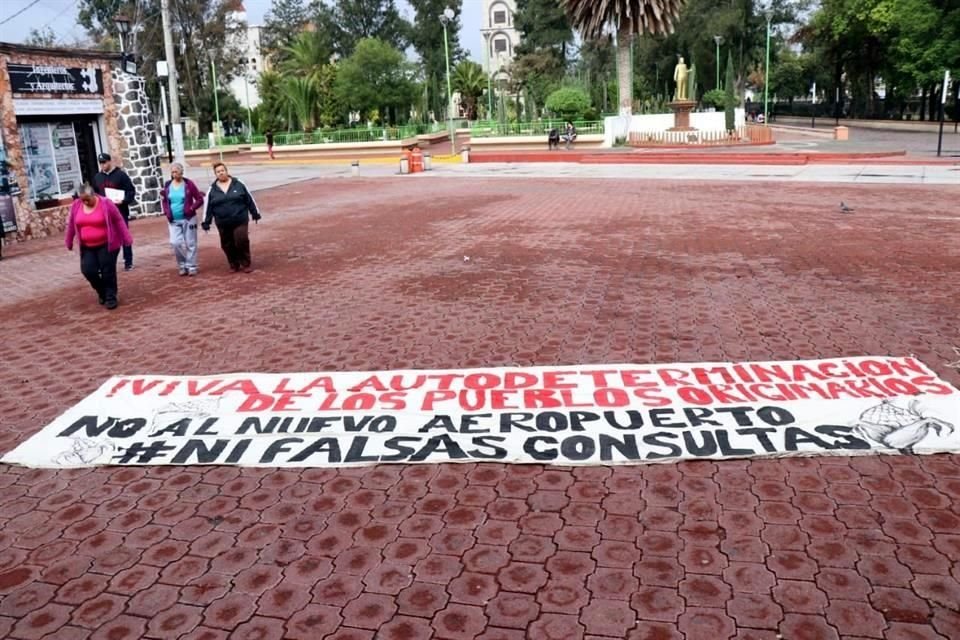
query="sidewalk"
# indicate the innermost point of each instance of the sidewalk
(368, 273)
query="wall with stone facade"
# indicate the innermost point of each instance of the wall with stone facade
(138, 129)
(130, 134)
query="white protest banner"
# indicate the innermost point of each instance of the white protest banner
(590, 414)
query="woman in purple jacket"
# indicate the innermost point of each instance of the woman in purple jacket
(100, 228)
(181, 200)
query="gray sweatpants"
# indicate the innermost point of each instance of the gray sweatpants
(183, 239)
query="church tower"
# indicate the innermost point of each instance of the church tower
(500, 38)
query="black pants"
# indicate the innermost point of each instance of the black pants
(235, 242)
(127, 251)
(99, 266)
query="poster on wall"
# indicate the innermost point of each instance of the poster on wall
(8, 215)
(8, 180)
(64, 138)
(38, 155)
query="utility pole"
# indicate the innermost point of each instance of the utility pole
(943, 103)
(174, 89)
(218, 130)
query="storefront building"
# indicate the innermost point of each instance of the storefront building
(60, 108)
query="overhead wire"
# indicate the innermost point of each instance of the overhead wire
(11, 17)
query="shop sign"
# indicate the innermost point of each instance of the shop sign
(45, 78)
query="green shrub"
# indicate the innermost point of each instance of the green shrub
(569, 103)
(715, 98)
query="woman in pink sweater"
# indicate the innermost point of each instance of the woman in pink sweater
(97, 224)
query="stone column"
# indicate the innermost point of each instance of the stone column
(138, 131)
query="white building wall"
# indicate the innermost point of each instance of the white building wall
(500, 37)
(245, 82)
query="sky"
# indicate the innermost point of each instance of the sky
(61, 16)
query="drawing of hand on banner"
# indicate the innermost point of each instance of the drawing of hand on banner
(83, 452)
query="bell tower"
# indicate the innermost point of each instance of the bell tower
(500, 37)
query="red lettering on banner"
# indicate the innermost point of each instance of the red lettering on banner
(397, 383)
(243, 385)
(705, 376)
(635, 377)
(599, 376)
(445, 380)
(554, 380)
(194, 388)
(802, 372)
(324, 383)
(373, 383)
(519, 380)
(394, 400)
(141, 386)
(930, 384)
(907, 366)
(117, 387)
(674, 377)
(650, 393)
(431, 398)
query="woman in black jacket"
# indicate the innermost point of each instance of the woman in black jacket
(230, 204)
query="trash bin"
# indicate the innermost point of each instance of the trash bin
(427, 161)
(841, 133)
(404, 165)
(465, 155)
(355, 168)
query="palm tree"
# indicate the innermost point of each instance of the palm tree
(306, 56)
(628, 18)
(470, 81)
(301, 95)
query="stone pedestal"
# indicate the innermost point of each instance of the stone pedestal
(681, 115)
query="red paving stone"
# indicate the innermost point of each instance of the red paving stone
(813, 548)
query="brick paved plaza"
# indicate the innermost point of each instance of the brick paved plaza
(369, 274)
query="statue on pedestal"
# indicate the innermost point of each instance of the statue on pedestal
(680, 77)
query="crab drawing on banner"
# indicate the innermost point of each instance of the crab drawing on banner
(192, 411)
(895, 427)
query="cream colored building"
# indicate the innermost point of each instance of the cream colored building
(500, 37)
(243, 86)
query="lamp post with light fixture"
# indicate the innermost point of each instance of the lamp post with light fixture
(768, 12)
(719, 41)
(246, 91)
(447, 18)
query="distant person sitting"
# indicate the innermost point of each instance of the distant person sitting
(569, 134)
(553, 139)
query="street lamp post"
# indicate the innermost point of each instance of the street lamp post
(766, 73)
(216, 106)
(446, 18)
(719, 41)
(488, 71)
(122, 23)
(246, 91)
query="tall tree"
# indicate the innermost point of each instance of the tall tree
(426, 36)
(206, 30)
(307, 55)
(355, 20)
(44, 37)
(376, 77)
(542, 24)
(470, 82)
(281, 26)
(628, 18)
